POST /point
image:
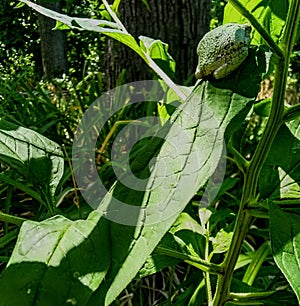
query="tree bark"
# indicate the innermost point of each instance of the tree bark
(179, 23)
(53, 43)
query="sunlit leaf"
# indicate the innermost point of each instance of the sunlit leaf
(56, 262)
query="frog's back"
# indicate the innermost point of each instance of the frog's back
(217, 44)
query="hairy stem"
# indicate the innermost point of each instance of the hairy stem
(250, 183)
(275, 120)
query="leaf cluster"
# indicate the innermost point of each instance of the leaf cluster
(235, 225)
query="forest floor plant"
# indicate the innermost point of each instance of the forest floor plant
(249, 219)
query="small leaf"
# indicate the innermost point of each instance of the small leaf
(262, 108)
(204, 214)
(222, 241)
(158, 51)
(19, 4)
(190, 232)
(184, 239)
(171, 101)
(158, 260)
(285, 242)
(61, 26)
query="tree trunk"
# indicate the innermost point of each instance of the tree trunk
(179, 23)
(53, 43)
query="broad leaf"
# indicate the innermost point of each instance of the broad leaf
(280, 176)
(56, 262)
(271, 14)
(37, 158)
(193, 146)
(183, 165)
(285, 242)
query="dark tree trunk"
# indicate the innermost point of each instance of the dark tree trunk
(53, 43)
(179, 23)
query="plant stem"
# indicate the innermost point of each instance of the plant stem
(250, 183)
(207, 275)
(11, 219)
(252, 173)
(193, 260)
(114, 16)
(256, 263)
(292, 113)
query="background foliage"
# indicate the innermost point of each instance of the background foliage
(46, 115)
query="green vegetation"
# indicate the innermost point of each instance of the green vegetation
(214, 213)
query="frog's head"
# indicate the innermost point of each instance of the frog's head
(241, 33)
(222, 50)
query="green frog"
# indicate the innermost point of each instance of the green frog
(223, 50)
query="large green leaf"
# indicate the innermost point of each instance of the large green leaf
(189, 156)
(37, 158)
(280, 176)
(285, 242)
(56, 262)
(271, 14)
(184, 164)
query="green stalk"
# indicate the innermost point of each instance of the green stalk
(207, 275)
(250, 184)
(192, 260)
(249, 298)
(256, 263)
(11, 219)
(275, 120)
(292, 113)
